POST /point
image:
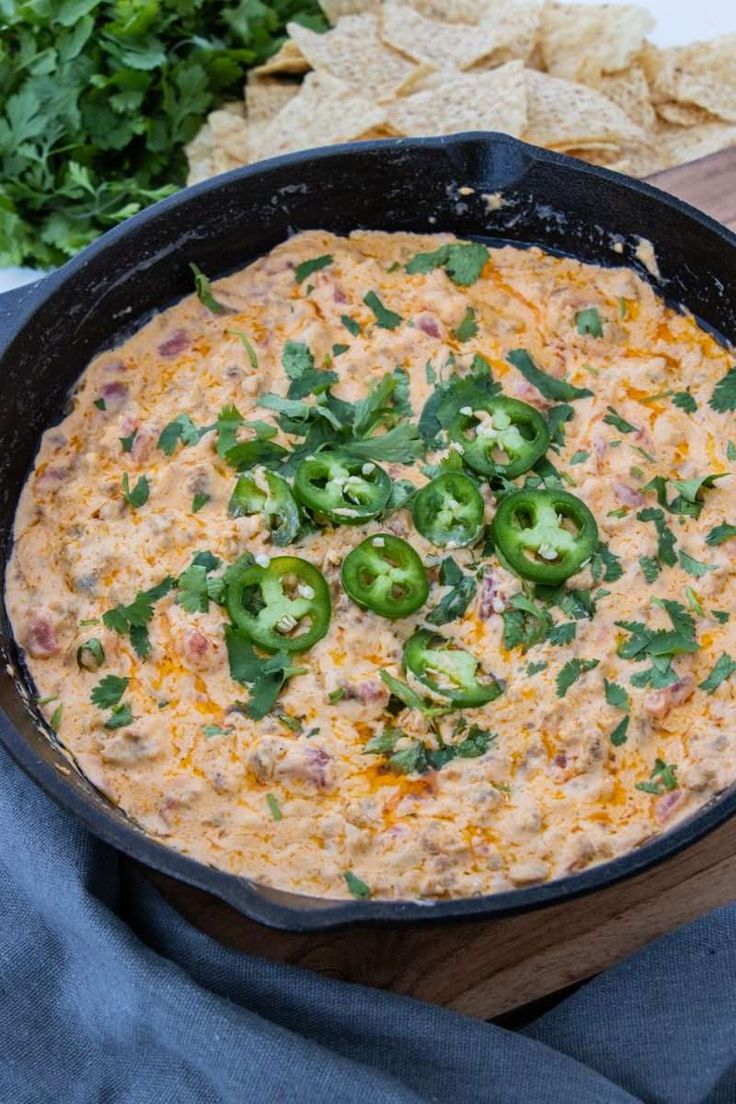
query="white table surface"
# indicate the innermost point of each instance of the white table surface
(678, 22)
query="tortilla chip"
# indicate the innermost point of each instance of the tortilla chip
(457, 45)
(199, 156)
(683, 144)
(605, 159)
(451, 11)
(289, 59)
(564, 115)
(703, 74)
(353, 52)
(229, 134)
(336, 9)
(581, 43)
(494, 100)
(265, 96)
(684, 114)
(326, 111)
(629, 89)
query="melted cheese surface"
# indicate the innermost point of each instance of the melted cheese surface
(552, 794)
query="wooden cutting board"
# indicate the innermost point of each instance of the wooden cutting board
(486, 968)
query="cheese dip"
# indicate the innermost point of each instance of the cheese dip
(393, 566)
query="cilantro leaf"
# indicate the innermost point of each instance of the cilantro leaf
(227, 424)
(650, 568)
(721, 533)
(199, 501)
(463, 263)
(619, 735)
(685, 401)
(250, 351)
(605, 564)
(306, 268)
(571, 672)
(614, 419)
(266, 677)
(183, 429)
(665, 537)
(192, 594)
(616, 695)
(273, 807)
(524, 623)
(298, 363)
(549, 386)
(723, 398)
(401, 445)
(694, 567)
(589, 322)
(133, 619)
(563, 633)
(458, 391)
(385, 403)
(662, 779)
(246, 454)
(467, 327)
(120, 717)
(108, 691)
(139, 495)
(385, 318)
(356, 886)
(453, 604)
(724, 668)
(350, 324)
(579, 457)
(127, 442)
(203, 288)
(556, 418)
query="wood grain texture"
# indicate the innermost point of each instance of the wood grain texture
(486, 968)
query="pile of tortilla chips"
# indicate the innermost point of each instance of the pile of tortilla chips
(583, 80)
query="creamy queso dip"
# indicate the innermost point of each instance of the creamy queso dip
(456, 727)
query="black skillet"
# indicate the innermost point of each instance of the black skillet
(49, 331)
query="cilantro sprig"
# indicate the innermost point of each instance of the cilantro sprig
(264, 676)
(463, 263)
(550, 386)
(132, 620)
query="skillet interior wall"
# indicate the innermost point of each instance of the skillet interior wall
(414, 185)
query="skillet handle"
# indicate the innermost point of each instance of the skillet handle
(15, 305)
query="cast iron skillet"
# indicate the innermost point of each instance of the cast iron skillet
(49, 332)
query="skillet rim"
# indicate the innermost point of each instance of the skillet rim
(254, 901)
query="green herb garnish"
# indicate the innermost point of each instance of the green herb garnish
(685, 401)
(203, 288)
(662, 779)
(356, 886)
(571, 672)
(139, 495)
(109, 691)
(589, 322)
(467, 327)
(721, 533)
(724, 668)
(462, 263)
(549, 386)
(385, 318)
(723, 398)
(273, 807)
(614, 419)
(183, 429)
(306, 268)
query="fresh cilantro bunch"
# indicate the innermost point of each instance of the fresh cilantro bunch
(99, 98)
